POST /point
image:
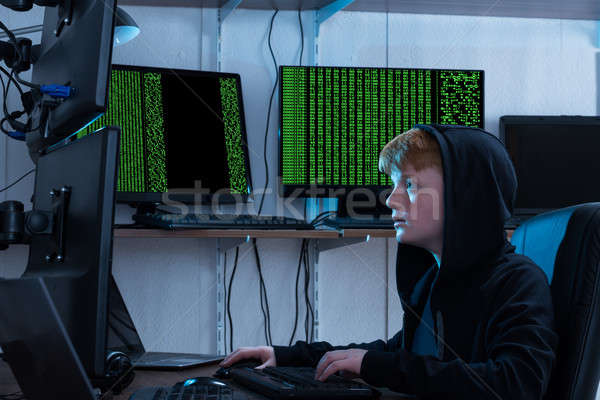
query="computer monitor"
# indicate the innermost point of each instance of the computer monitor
(78, 181)
(181, 130)
(555, 159)
(76, 54)
(334, 121)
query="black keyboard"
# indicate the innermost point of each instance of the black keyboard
(299, 383)
(219, 221)
(187, 390)
(359, 223)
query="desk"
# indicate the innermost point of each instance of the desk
(144, 378)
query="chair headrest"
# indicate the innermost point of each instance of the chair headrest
(540, 237)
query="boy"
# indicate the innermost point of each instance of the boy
(478, 318)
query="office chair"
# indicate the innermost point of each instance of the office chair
(566, 244)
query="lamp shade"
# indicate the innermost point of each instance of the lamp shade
(125, 27)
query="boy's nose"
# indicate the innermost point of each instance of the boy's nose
(395, 200)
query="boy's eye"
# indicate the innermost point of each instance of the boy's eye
(409, 184)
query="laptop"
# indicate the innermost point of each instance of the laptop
(122, 336)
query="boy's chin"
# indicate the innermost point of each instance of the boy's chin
(404, 238)
(401, 237)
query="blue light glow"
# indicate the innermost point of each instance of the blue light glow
(124, 34)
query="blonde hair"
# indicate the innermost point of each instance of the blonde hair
(414, 146)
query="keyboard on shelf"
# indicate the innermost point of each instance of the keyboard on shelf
(299, 383)
(192, 389)
(219, 221)
(359, 223)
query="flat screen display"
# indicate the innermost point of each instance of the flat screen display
(556, 160)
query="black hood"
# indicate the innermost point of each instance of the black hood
(480, 187)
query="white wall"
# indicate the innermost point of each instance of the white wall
(532, 66)
(14, 158)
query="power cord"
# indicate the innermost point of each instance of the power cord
(307, 323)
(301, 36)
(225, 299)
(20, 128)
(13, 40)
(263, 295)
(24, 82)
(262, 199)
(235, 264)
(297, 279)
(9, 75)
(17, 181)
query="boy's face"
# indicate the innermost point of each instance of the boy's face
(417, 203)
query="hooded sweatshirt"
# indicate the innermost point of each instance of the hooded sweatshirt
(492, 310)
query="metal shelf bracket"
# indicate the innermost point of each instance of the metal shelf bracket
(329, 10)
(227, 8)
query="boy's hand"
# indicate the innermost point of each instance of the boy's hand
(340, 360)
(264, 353)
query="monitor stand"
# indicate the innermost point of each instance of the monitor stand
(36, 343)
(364, 210)
(145, 208)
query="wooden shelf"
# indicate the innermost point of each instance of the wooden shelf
(253, 233)
(257, 233)
(573, 9)
(226, 233)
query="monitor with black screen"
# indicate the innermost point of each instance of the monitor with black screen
(181, 131)
(555, 158)
(72, 265)
(69, 230)
(334, 121)
(75, 53)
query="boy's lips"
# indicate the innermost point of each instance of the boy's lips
(398, 222)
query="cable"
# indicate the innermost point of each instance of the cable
(17, 181)
(322, 217)
(11, 36)
(11, 117)
(225, 300)
(307, 299)
(297, 279)
(5, 88)
(9, 75)
(262, 199)
(301, 36)
(235, 263)
(13, 40)
(263, 293)
(24, 82)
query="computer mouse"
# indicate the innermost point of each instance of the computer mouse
(204, 380)
(223, 372)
